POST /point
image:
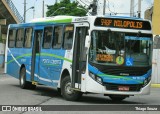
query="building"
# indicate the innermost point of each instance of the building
(153, 14)
(8, 15)
(148, 13)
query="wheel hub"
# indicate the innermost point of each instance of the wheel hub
(22, 79)
(68, 88)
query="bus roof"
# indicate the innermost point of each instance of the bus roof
(64, 19)
(68, 19)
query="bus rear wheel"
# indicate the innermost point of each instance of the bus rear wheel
(118, 97)
(67, 92)
(22, 80)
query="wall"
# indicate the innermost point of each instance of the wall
(156, 52)
(2, 51)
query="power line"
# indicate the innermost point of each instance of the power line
(83, 2)
(89, 1)
(109, 7)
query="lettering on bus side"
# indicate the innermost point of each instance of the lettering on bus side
(23, 60)
(51, 62)
(81, 19)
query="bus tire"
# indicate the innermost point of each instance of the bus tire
(66, 91)
(22, 80)
(117, 97)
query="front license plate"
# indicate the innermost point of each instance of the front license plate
(123, 88)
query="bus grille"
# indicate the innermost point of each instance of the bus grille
(129, 71)
(122, 70)
(114, 87)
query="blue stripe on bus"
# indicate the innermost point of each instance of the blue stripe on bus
(119, 79)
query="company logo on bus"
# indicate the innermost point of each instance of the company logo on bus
(81, 19)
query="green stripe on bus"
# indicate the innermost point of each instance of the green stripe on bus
(24, 55)
(56, 56)
(126, 78)
(57, 21)
(42, 54)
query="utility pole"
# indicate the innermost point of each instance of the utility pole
(25, 11)
(132, 8)
(139, 8)
(33, 12)
(43, 9)
(94, 10)
(34, 9)
(104, 7)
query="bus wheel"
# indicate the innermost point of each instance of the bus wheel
(117, 97)
(22, 80)
(67, 92)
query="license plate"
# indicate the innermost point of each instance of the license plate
(123, 88)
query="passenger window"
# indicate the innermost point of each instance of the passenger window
(11, 38)
(28, 38)
(57, 40)
(20, 38)
(68, 37)
(47, 37)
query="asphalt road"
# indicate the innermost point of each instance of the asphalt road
(12, 94)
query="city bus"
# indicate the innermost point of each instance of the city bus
(109, 55)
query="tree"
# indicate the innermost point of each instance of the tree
(70, 9)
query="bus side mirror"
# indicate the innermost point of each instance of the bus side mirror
(87, 42)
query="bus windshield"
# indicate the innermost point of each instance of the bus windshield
(120, 48)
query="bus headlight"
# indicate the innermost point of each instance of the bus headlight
(99, 80)
(92, 76)
(96, 78)
(146, 81)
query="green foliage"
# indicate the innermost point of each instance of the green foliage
(71, 9)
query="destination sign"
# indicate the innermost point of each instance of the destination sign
(123, 23)
(104, 57)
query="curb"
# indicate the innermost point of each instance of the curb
(155, 85)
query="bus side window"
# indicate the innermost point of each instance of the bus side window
(11, 38)
(20, 38)
(68, 37)
(57, 39)
(47, 37)
(28, 38)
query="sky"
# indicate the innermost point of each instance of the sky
(115, 6)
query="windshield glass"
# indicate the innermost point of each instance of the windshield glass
(119, 48)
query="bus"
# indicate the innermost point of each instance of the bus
(110, 55)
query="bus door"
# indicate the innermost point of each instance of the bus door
(36, 55)
(79, 56)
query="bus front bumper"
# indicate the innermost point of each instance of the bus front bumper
(94, 87)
